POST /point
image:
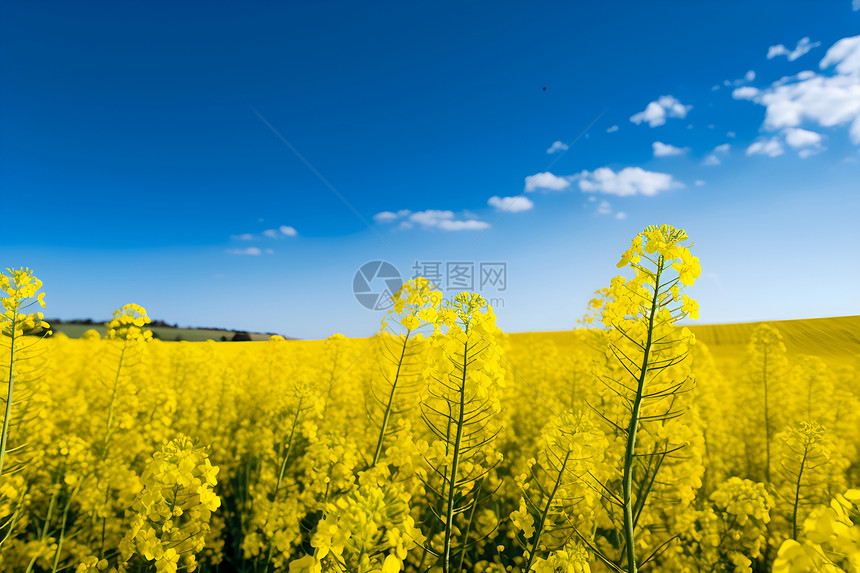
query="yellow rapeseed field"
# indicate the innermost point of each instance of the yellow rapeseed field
(439, 445)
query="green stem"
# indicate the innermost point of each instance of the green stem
(63, 530)
(469, 526)
(627, 482)
(286, 457)
(112, 401)
(388, 407)
(797, 495)
(51, 505)
(545, 513)
(452, 483)
(9, 392)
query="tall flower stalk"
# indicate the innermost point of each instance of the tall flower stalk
(649, 375)
(459, 409)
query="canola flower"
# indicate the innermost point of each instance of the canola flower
(439, 445)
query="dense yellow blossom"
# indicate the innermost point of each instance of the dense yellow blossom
(438, 445)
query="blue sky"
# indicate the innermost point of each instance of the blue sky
(152, 154)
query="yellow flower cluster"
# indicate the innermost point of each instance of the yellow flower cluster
(129, 323)
(832, 540)
(20, 292)
(171, 513)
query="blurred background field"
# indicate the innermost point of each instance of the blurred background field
(836, 339)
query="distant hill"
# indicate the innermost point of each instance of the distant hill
(160, 329)
(835, 339)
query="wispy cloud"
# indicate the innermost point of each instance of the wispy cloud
(808, 143)
(771, 147)
(605, 208)
(713, 158)
(803, 47)
(251, 251)
(814, 98)
(797, 137)
(614, 128)
(665, 150)
(460, 225)
(280, 232)
(389, 216)
(748, 77)
(557, 146)
(515, 204)
(431, 219)
(546, 181)
(656, 112)
(745, 92)
(628, 181)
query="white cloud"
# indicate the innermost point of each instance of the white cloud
(252, 251)
(771, 147)
(385, 217)
(748, 77)
(546, 180)
(845, 55)
(699, 183)
(620, 215)
(828, 101)
(731, 134)
(809, 152)
(803, 46)
(468, 225)
(666, 150)
(656, 112)
(431, 219)
(797, 137)
(604, 208)
(388, 216)
(614, 128)
(713, 158)
(855, 5)
(269, 252)
(243, 237)
(823, 100)
(808, 142)
(515, 204)
(556, 147)
(745, 92)
(283, 230)
(628, 181)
